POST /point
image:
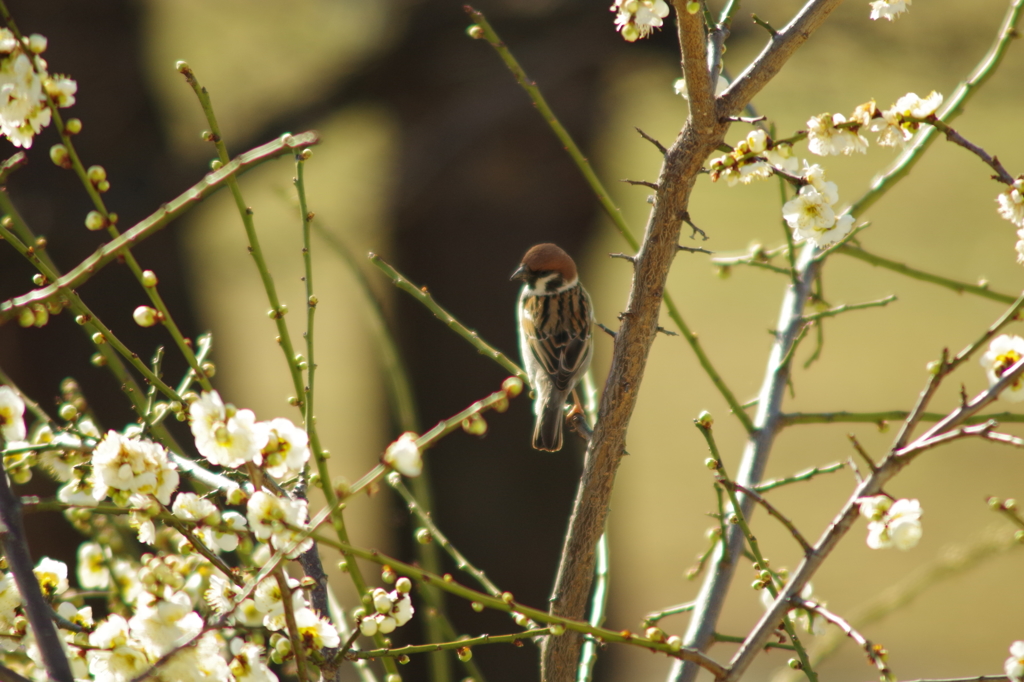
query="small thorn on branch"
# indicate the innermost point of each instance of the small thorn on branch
(623, 256)
(645, 183)
(694, 249)
(685, 217)
(660, 146)
(610, 332)
(666, 332)
(764, 24)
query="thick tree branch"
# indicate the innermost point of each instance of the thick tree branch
(778, 51)
(633, 341)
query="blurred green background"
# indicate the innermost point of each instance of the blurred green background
(432, 156)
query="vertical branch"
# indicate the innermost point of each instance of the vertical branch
(15, 546)
(683, 161)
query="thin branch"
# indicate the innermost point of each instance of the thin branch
(875, 653)
(798, 478)
(660, 146)
(846, 307)
(882, 418)
(903, 269)
(421, 295)
(158, 220)
(772, 511)
(507, 604)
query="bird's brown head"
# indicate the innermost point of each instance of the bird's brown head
(546, 267)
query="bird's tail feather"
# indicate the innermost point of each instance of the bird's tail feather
(547, 433)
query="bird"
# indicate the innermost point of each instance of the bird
(555, 318)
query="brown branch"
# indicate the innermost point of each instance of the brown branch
(875, 653)
(772, 511)
(632, 345)
(780, 48)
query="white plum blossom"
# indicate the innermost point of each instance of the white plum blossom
(116, 656)
(225, 435)
(892, 523)
(197, 663)
(24, 87)
(93, 573)
(221, 594)
(888, 9)
(270, 602)
(811, 212)
(1011, 207)
(1002, 354)
(315, 632)
(205, 515)
(52, 576)
(248, 665)
(279, 522)
(781, 156)
(132, 467)
(286, 450)
(12, 411)
(636, 19)
(912, 106)
(160, 622)
(10, 600)
(824, 137)
(404, 455)
(1014, 665)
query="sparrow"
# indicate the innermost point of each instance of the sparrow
(555, 319)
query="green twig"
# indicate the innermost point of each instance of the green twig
(883, 418)
(846, 307)
(737, 516)
(421, 295)
(959, 287)
(466, 643)
(653, 618)
(506, 603)
(798, 478)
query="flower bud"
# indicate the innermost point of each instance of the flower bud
(368, 626)
(37, 43)
(26, 318)
(630, 33)
(38, 279)
(476, 606)
(216, 164)
(145, 316)
(96, 174)
(711, 463)
(97, 360)
(675, 642)
(403, 585)
(59, 155)
(99, 339)
(94, 221)
(423, 536)
(465, 653)
(306, 154)
(693, 7)
(475, 31)
(475, 425)
(512, 386)
(557, 629)
(103, 186)
(521, 620)
(655, 634)
(149, 279)
(209, 369)
(73, 126)
(388, 575)
(705, 419)
(67, 412)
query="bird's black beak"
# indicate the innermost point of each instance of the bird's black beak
(519, 274)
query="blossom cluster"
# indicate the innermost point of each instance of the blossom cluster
(157, 604)
(391, 610)
(636, 19)
(832, 134)
(26, 87)
(892, 523)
